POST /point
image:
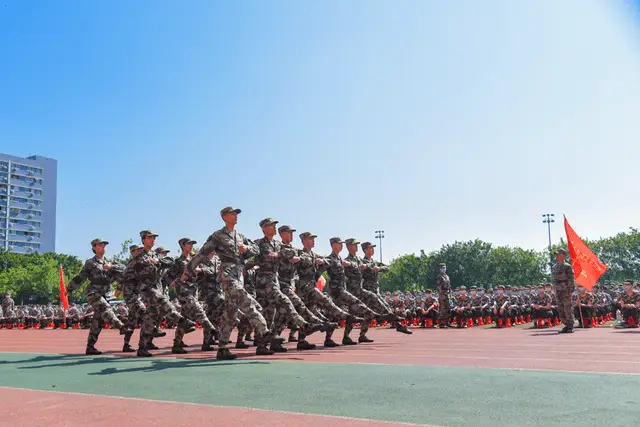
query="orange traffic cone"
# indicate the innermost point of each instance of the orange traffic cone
(374, 323)
(508, 322)
(556, 322)
(469, 322)
(429, 323)
(593, 322)
(480, 321)
(343, 324)
(50, 325)
(63, 325)
(528, 318)
(9, 325)
(499, 321)
(76, 325)
(539, 324)
(522, 320)
(36, 326)
(107, 326)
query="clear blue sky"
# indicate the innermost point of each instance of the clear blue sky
(433, 120)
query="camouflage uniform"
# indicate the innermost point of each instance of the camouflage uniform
(225, 244)
(308, 274)
(100, 276)
(145, 269)
(353, 275)
(501, 302)
(584, 311)
(564, 285)
(341, 297)
(287, 275)
(190, 307)
(443, 285)
(211, 293)
(543, 300)
(629, 304)
(8, 304)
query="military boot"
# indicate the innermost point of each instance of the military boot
(348, 341)
(305, 345)
(92, 351)
(225, 354)
(364, 338)
(128, 349)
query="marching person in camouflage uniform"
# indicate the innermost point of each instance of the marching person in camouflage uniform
(338, 290)
(244, 326)
(233, 249)
(146, 269)
(100, 275)
(564, 285)
(186, 291)
(211, 293)
(287, 275)
(271, 254)
(443, 285)
(355, 276)
(310, 268)
(131, 296)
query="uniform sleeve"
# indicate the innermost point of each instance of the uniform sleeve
(208, 247)
(77, 281)
(571, 279)
(253, 249)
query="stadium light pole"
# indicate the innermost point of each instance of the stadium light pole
(380, 236)
(548, 219)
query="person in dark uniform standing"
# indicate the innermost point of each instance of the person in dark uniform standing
(443, 283)
(564, 285)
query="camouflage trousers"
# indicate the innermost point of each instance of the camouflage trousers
(237, 298)
(318, 302)
(300, 307)
(444, 307)
(213, 305)
(276, 304)
(374, 302)
(565, 308)
(136, 312)
(102, 313)
(346, 300)
(192, 310)
(372, 287)
(158, 308)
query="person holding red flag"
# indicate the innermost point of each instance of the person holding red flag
(564, 285)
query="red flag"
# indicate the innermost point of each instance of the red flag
(63, 291)
(586, 265)
(320, 283)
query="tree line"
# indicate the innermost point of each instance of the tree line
(34, 278)
(479, 263)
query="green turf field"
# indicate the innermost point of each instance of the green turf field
(417, 394)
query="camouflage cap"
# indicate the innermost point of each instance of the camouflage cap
(97, 241)
(427, 291)
(335, 240)
(352, 241)
(267, 221)
(628, 281)
(442, 264)
(228, 210)
(473, 288)
(134, 247)
(186, 240)
(561, 251)
(161, 249)
(306, 235)
(463, 288)
(500, 287)
(147, 233)
(367, 245)
(285, 229)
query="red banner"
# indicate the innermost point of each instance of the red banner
(320, 283)
(63, 291)
(586, 265)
